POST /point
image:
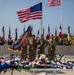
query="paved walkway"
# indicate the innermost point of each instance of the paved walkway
(37, 73)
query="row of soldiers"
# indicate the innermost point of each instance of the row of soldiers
(38, 45)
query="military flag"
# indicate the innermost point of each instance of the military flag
(16, 46)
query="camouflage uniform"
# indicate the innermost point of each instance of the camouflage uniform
(32, 49)
(51, 49)
(24, 50)
(41, 44)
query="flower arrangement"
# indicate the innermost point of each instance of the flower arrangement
(14, 63)
(41, 62)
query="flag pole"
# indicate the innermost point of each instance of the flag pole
(41, 26)
(61, 16)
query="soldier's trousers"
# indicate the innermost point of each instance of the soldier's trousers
(32, 55)
(51, 54)
(24, 54)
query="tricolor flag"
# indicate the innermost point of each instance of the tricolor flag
(60, 32)
(31, 13)
(48, 35)
(53, 3)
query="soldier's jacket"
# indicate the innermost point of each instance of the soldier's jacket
(52, 43)
(41, 44)
(26, 43)
(32, 43)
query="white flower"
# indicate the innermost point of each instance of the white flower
(73, 66)
(16, 63)
(42, 56)
(8, 61)
(64, 67)
(58, 63)
(53, 62)
(39, 58)
(27, 65)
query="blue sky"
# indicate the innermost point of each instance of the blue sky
(51, 16)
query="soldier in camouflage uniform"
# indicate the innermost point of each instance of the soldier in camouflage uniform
(32, 48)
(41, 44)
(51, 49)
(24, 50)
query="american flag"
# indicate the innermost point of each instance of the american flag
(53, 3)
(32, 13)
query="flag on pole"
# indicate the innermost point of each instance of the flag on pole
(3, 34)
(48, 35)
(38, 33)
(43, 31)
(53, 3)
(31, 13)
(15, 34)
(9, 35)
(55, 32)
(16, 46)
(49, 30)
(68, 37)
(60, 32)
(69, 30)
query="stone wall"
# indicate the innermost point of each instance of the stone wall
(4, 50)
(64, 50)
